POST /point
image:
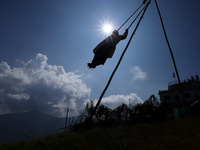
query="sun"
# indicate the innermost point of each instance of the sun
(107, 28)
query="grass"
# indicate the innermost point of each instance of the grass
(183, 134)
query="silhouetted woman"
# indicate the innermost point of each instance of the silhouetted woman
(106, 48)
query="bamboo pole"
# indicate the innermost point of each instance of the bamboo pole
(181, 89)
(66, 119)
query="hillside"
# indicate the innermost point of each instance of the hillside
(173, 134)
(33, 123)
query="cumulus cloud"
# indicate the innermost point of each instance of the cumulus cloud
(138, 74)
(39, 85)
(19, 96)
(113, 101)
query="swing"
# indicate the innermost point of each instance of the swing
(106, 48)
(102, 94)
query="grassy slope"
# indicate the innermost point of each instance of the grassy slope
(178, 134)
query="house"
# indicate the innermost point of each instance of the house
(191, 91)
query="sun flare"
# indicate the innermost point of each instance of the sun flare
(107, 28)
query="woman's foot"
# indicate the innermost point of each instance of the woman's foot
(90, 65)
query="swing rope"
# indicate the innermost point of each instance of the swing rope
(136, 17)
(132, 15)
(118, 62)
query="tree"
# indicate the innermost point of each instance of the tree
(104, 113)
(152, 110)
(122, 113)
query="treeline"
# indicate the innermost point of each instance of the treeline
(152, 110)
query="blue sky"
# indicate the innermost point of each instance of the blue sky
(46, 45)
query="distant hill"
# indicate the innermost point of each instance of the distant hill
(33, 123)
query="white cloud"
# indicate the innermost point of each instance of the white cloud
(48, 88)
(4, 68)
(113, 101)
(38, 85)
(19, 96)
(138, 74)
